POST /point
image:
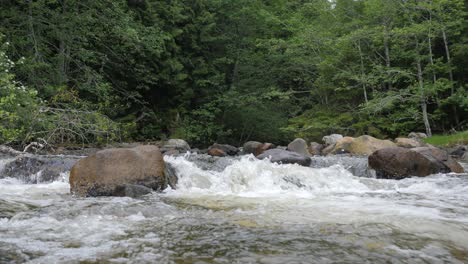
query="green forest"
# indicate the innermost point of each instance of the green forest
(229, 71)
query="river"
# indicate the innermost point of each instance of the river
(243, 210)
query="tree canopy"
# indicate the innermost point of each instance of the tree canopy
(230, 71)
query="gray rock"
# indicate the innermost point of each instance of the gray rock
(331, 139)
(285, 157)
(417, 136)
(299, 145)
(38, 169)
(176, 144)
(458, 151)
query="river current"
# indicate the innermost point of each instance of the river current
(243, 210)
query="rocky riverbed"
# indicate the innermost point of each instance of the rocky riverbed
(240, 210)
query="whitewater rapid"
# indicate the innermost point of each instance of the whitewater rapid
(242, 210)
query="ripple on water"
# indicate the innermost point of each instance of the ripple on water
(252, 211)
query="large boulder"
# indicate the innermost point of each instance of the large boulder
(228, 149)
(115, 172)
(363, 145)
(408, 143)
(331, 139)
(299, 145)
(250, 147)
(399, 163)
(285, 157)
(38, 169)
(175, 146)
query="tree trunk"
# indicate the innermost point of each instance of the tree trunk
(362, 72)
(387, 56)
(452, 85)
(423, 96)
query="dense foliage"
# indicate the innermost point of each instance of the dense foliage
(230, 71)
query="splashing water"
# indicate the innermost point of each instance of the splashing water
(242, 210)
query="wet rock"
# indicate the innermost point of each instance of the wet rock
(106, 172)
(8, 152)
(132, 190)
(408, 143)
(331, 139)
(285, 157)
(216, 152)
(171, 152)
(315, 149)
(173, 145)
(171, 176)
(299, 145)
(458, 151)
(464, 158)
(207, 162)
(250, 147)
(227, 149)
(363, 145)
(399, 163)
(38, 169)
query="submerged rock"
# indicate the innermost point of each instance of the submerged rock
(399, 163)
(38, 169)
(285, 157)
(108, 172)
(299, 145)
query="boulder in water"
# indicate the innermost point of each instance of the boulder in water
(38, 169)
(285, 157)
(331, 139)
(299, 145)
(399, 163)
(408, 143)
(109, 172)
(363, 145)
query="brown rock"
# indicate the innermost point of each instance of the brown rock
(363, 145)
(408, 143)
(109, 171)
(399, 163)
(263, 147)
(216, 152)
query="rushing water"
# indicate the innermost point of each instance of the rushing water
(249, 212)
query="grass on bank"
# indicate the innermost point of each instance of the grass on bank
(460, 138)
